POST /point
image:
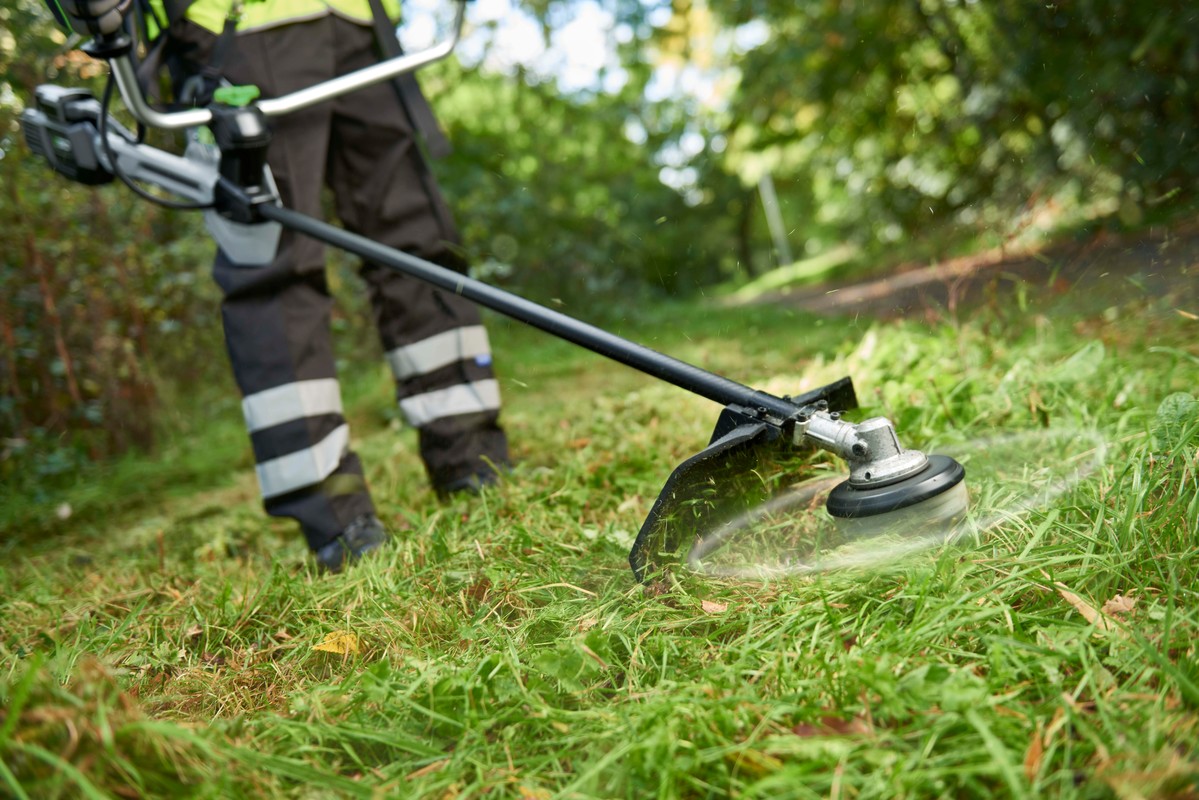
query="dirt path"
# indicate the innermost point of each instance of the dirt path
(1160, 265)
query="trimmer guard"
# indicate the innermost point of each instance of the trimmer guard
(743, 466)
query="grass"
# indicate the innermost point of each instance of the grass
(165, 644)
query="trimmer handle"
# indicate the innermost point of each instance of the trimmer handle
(103, 20)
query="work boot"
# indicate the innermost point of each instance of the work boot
(362, 536)
(471, 484)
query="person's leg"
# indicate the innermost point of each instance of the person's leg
(276, 315)
(435, 340)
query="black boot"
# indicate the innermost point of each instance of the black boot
(362, 536)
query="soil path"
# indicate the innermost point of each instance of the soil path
(1161, 265)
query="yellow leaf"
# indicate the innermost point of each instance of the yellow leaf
(343, 643)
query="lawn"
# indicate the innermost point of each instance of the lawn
(162, 637)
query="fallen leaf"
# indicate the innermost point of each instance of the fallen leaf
(343, 643)
(1088, 611)
(587, 623)
(713, 607)
(193, 631)
(832, 726)
(534, 793)
(1033, 756)
(1119, 605)
(478, 591)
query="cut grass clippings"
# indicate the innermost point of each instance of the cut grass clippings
(500, 647)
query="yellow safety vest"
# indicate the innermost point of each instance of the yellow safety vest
(256, 15)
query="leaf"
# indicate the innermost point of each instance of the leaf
(1175, 417)
(1033, 756)
(343, 643)
(1119, 605)
(832, 726)
(713, 607)
(1088, 611)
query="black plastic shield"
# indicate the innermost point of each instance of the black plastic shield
(747, 462)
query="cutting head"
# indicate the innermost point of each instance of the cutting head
(742, 490)
(940, 476)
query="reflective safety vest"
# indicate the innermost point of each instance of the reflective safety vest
(256, 15)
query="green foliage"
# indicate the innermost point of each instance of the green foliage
(98, 290)
(555, 200)
(889, 119)
(1177, 422)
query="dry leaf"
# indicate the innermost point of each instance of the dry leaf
(534, 793)
(713, 607)
(343, 643)
(1119, 605)
(832, 726)
(1088, 611)
(1033, 756)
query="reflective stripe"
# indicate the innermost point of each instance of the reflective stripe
(291, 401)
(421, 358)
(306, 467)
(465, 398)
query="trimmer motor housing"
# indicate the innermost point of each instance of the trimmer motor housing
(61, 128)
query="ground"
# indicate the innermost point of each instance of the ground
(1089, 275)
(162, 637)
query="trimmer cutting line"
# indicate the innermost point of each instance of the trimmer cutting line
(745, 462)
(1012, 475)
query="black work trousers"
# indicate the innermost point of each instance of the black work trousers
(277, 315)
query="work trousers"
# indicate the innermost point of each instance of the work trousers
(277, 316)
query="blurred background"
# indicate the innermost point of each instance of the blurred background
(614, 155)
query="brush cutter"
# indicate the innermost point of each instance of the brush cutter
(758, 439)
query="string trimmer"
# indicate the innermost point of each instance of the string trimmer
(754, 434)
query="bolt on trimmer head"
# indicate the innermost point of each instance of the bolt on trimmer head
(752, 458)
